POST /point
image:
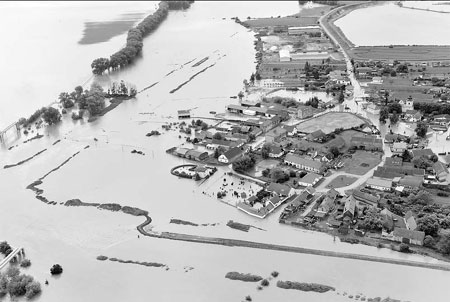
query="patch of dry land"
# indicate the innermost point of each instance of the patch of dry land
(341, 181)
(330, 121)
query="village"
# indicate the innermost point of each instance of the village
(293, 141)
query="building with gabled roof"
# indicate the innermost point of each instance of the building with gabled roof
(408, 236)
(230, 155)
(280, 189)
(304, 163)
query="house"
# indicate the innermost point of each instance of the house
(181, 152)
(349, 209)
(407, 104)
(291, 130)
(304, 163)
(379, 184)
(304, 112)
(408, 236)
(422, 152)
(394, 161)
(275, 152)
(442, 119)
(399, 148)
(184, 114)
(196, 155)
(230, 155)
(410, 221)
(373, 109)
(441, 171)
(213, 144)
(310, 179)
(363, 72)
(367, 142)
(366, 198)
(413, 115)
(285, 55)
(377, 80)
(275, 134)
(411, 182)
(316, 136)
(326, 206)
(301, 30)
(238, 109)
(280, 189)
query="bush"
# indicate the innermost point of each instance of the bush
(248, 298)
(102, 258)
(51, 116)
(428, 241)
(25, 263)
(274, 274)
(404, 248)
(265, 282)
(56, 269)
(32, 289)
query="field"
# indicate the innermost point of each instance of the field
(341, 181)
(361, 162)
(401, 88)
(285, 21)
(330, 121)
(402, 53)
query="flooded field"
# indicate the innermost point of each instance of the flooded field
(107, 172)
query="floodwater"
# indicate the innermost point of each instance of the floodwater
(400, 26)
(108, 172)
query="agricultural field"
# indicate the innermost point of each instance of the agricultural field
(331, 121)
(401, 53)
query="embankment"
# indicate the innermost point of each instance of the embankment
(306, 287)
(24, 161)
(333, 31)
(284, 248)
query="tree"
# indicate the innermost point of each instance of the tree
(32, 289)
(265, 150)
(51, 116)
(278, 175)
(428, 224)
(444, 244)
(341, 97)
(56, 269)
(100, 65)
(421, 162)
(404, 248)
(244, 163)
(406, 156)
(25, 263)
(394, 118)
(240, 95)
(373, 221)
(395, 108)
(217, 136)
(428, 241)
(313, 102)
(335, 151)
(422, 197)
(252, 78)
(5, 248)
(384, 114)
(421, 129)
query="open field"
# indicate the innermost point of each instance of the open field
(341, 181)
(361, 162)
(401, 53)
(285, 21)
(330, 121)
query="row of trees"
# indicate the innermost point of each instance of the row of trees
(432, 108)
(135, 38)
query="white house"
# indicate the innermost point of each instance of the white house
(230, 155)
(407, 104)
(285, 55)
(379, 184)
(309, 179)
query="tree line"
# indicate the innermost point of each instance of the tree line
(432, 108)
(135, 38)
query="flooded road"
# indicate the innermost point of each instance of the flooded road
(107, 172)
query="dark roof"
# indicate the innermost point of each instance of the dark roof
(411, 181)
(422, 152)
(304, 161)
(317, 134)
(350, 205)
(232, 153)
(393, 161)
(366, 197)
(439, 167)
(367, 140)
(280, 189)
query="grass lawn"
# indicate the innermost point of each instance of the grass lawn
(341, 181)
(361, 162)
(330, 121)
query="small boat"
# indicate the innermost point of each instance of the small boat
(212, 112)
(233, 97)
